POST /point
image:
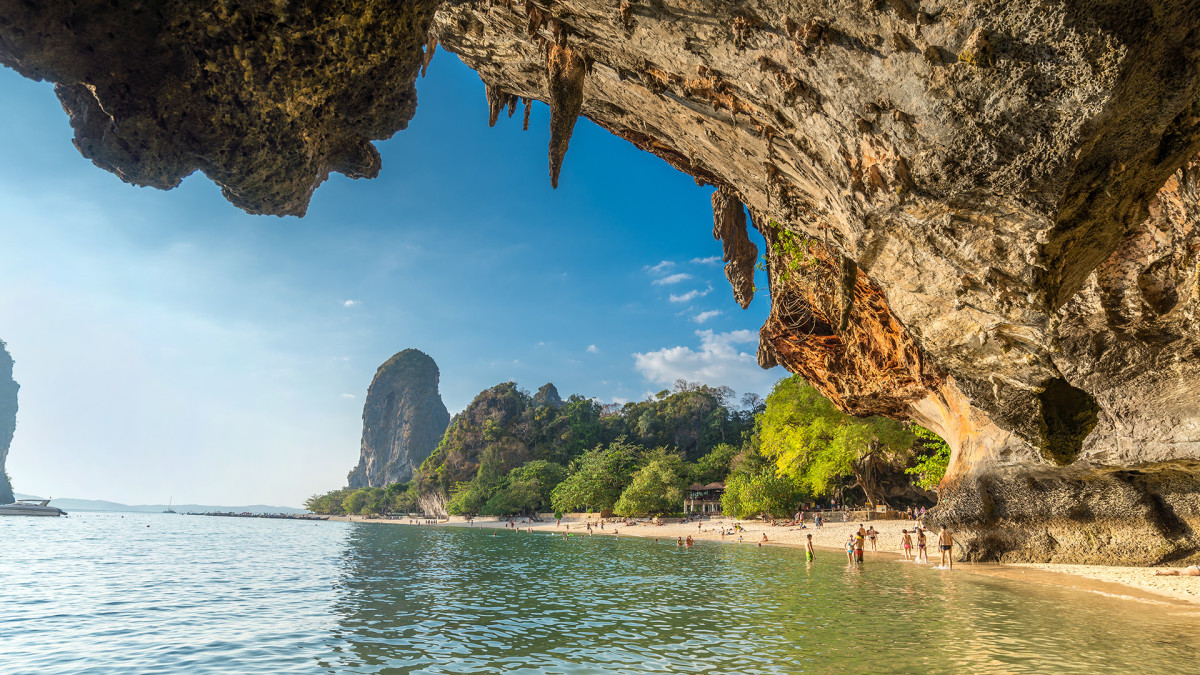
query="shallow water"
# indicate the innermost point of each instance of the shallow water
(100, 593)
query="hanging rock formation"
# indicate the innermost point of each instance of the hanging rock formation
(984, 212)
(8, 418)
(403, 420)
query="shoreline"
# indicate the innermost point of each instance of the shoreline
(1133, 583)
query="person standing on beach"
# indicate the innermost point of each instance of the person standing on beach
(850, 550)
(809, 554)
(946, 543)
(922, 552)
(859, 541)
(871, 533)
(906, 544)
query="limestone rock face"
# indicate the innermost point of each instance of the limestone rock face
(265, 98)
(979, 215)
(8, 418)
(403, 420)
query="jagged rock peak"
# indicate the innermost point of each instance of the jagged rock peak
(403, 420)
(8, 418)
(547, 396)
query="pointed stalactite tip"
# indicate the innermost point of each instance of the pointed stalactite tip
(565, 69)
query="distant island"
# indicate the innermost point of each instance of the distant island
(68, 504)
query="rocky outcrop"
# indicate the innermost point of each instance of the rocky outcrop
(403, 420)
(980, 215)
(8, 418)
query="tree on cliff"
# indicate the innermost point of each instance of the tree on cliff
(810, 440)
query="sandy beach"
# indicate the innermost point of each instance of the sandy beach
(1137, 583)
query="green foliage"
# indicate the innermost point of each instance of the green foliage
(817, 445)
(656, 488)
(714, 466)
(932, 462)
(525, 490)
(395, 498)
(762, 493)
(508, 425)
(596, 479)
(794, 252)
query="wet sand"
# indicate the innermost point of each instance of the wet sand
(1136, 583)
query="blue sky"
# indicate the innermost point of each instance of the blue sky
(169, 344)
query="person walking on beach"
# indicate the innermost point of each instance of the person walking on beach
(871, 533)
(850, 550)
(859, 542)
(922, 551)
(906, 544)
(809, 554)
(945, 543)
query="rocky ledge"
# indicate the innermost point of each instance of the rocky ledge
(978, 215)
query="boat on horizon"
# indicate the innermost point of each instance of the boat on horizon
(31, 507)
(169, 509)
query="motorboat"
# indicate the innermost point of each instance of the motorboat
(31, 507)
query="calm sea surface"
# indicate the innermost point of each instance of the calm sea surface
(102, 593)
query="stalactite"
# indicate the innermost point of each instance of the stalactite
(565, 71)
(729, 227)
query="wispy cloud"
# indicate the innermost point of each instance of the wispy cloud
(711, 260)
(705, 316)
(619, 400)
(672, 279)
(350, 396)
(351, 303)
(690, 295)
(719, 360)
(661, 268)
(593, 349)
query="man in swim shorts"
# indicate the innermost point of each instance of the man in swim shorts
(858, 548)
(808, 549)
(945, 543)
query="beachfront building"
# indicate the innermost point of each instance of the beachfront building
(704, 498)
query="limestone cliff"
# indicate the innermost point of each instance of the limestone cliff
(403, 420)
(8, 418)
(979, 215)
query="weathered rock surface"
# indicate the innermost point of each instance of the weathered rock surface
(980, 215)
(8, 418)
(403, 420)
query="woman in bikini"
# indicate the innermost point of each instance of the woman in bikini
(906, 544)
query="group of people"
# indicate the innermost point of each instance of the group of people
(857, 543)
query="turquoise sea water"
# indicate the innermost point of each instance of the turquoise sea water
(155, 593)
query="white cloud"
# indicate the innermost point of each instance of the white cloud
(351, 303)
(719, 360)
(347, 395)
(690, 295)
(705, 316)
(661, 268)
(711, 260)
(620, 401)
(593, 349)
(672, 279)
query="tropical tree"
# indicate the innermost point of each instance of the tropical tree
(933, 459)
(813, 442)
(526, 489)
(656, 488)
(597, 478)
(763, 493)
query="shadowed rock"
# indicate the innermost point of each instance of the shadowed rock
(403, 420)
(8, 418)
(565, 71)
